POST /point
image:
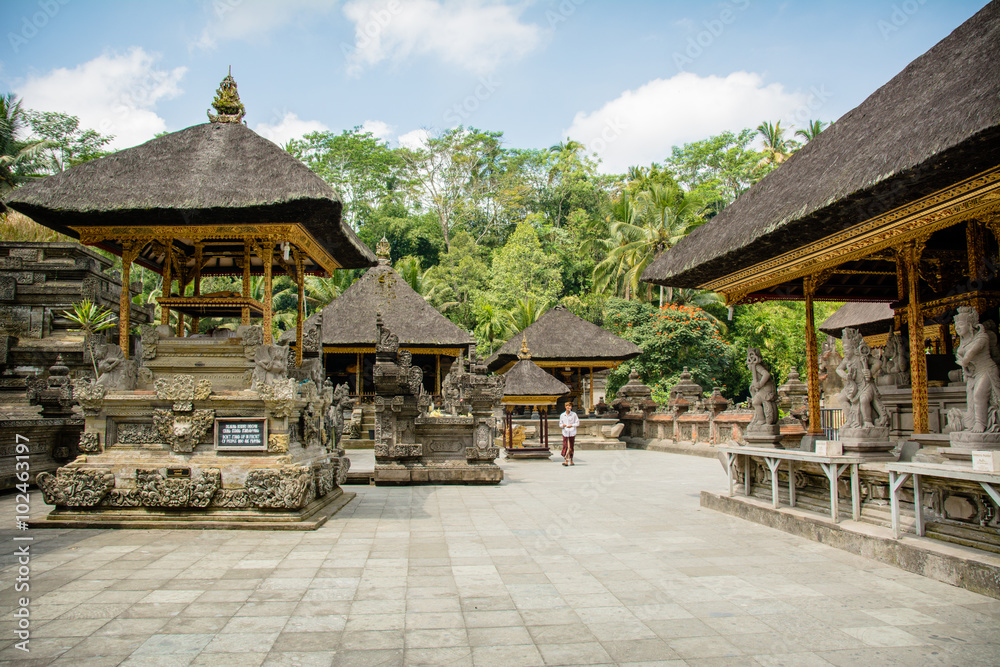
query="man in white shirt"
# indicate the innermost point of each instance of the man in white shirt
(568, 421)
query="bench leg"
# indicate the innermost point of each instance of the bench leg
(918, 506)
(791, 483)
(855, 492)
(896, 481)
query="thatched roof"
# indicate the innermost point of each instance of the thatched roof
(868, 318)
(934, 124)
(349, 320)
(210, 174)
(525, 378)
(559, 335)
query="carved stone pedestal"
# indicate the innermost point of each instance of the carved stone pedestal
(871, 442)
(964, 442)
(764, 435)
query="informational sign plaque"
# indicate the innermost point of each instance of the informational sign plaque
(241, 434)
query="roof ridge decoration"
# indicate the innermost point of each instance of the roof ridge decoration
(525, 353)
(383, 251)
(227, 102)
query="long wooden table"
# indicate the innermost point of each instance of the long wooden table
(899, 473)
(832, 466)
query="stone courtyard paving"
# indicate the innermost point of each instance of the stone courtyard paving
(609, 562)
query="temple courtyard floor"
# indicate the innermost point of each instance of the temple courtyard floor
(611, 561)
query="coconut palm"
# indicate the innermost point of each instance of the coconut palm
(525, 313)
(321, 291)
(409, 270)
(18, 157)
(777, 149)
(812, 130)
(492, 323)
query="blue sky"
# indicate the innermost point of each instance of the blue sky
(627, 78)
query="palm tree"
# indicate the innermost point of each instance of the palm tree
(409, 270)
(321, 291)
(610, 272)
(492, 323)
(776, 147)
(18, 158)
(526, 312)
(812, 130)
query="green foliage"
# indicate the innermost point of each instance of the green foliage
(522, 269)
(66, 145)
(777, 328)
(453, 285)
(671, 338)
(718, 169)
(18, 156)
(408, 235)
(90, 319)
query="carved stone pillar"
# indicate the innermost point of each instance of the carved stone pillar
(130, 250)
(812, 358)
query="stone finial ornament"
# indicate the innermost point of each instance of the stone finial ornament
(524, 353)
(383, 251)
(227, 102)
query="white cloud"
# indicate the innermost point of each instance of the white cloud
(252, 19)
(640, 126)
(113, 94)
(289, 127)
(474, 34)
(378, 128)
(414, 140)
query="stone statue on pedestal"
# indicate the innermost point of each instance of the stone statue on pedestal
(763, 429)
(866, 421)
(895, 362)
(829, 361)
(977, 355)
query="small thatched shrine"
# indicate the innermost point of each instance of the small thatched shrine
(200, 431)
(347, 334)
(525, 384)
(570, 348)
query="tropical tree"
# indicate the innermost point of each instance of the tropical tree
(522, 268)
(777, 148)
(492, 323)
(321, 291)
(18, 156)
(526, 312)
(812, 130)
(90, 319)
(64, 143)
(717, 169)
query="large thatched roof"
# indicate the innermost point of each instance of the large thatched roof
(559, 335)
(934, 124)
(210, 174)
(868, 318)
(525, 378)
(349, 320)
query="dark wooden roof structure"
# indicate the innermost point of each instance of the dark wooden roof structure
(868, 318)
(920, 152)
(349, 320)
(202, 178)
(560, 338)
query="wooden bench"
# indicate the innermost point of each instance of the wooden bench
(832, 466)
(900, 472)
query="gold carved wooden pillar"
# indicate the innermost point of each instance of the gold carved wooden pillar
(300, 282)
(266, 253)
(245, 315)
(130, 251)
(910, 254)
(437, 374)
(812, 358)
(168, 280)
(199, 251)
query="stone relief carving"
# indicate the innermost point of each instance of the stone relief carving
(182, 390)
(829, 361)
(90, 443)
(183, 431)
(279, 397)
(136, 434)
(154, 490)
(76, 487)
(114, 371)
(895, 362)
(270, 365)
(8, 288)
(90, 395)
(149, 339)
(277, 443)
(288, 487)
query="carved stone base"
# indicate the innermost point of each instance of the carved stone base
(964, 442)
(763, 435)
(443, 472)
(870, 442)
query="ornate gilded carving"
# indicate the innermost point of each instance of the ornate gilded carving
(183, 430)
(76, 487)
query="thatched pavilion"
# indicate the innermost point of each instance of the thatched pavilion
(213, 199)
(897, 202)
(348, 337)
(525, 384)
(563, 343)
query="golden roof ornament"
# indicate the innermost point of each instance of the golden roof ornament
(525, 353)
(227, 102)
(382, 251)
